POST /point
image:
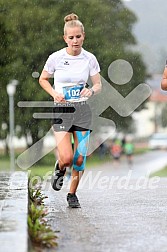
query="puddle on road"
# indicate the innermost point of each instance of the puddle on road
(4, 185)
(4, 176)
(3, 194)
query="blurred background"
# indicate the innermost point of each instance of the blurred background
(32, 29)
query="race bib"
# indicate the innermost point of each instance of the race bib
(72, 92)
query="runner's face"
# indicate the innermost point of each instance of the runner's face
(74, 38)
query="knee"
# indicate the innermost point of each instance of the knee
(79, 160)
(66, 161)
(79, 163)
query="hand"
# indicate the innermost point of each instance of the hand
(58, 97)
(86, 92)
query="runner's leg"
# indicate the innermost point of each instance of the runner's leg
(64, 149)
(81, 139)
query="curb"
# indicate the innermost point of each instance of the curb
(14, 211)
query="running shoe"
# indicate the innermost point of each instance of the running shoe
(72, 200)
(57, 178)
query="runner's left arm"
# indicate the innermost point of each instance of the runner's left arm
(96, 81)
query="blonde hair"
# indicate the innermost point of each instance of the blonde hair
(72, 20)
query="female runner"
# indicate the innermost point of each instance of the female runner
(71, 67)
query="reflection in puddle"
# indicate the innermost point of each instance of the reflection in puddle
(7, 226)
(4, 184)
(3, 193)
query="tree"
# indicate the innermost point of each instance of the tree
(33, 29)
(5, 49)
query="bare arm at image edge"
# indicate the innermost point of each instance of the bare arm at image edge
(164, 80)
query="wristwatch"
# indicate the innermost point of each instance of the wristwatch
(91, 89)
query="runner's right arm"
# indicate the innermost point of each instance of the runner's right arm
(45, 84)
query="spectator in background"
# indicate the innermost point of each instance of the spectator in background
(129, 151)
(102, 150)
(123, 142)
(116, 150)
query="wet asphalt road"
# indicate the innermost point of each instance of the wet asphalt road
(122, 210)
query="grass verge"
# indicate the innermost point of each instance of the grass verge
(160, 173)
(40, 233)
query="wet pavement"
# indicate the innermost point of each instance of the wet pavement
(122, 210)
(13, 212)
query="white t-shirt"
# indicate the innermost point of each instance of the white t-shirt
(71, 73)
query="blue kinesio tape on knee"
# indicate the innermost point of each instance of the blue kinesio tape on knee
(81, 149)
